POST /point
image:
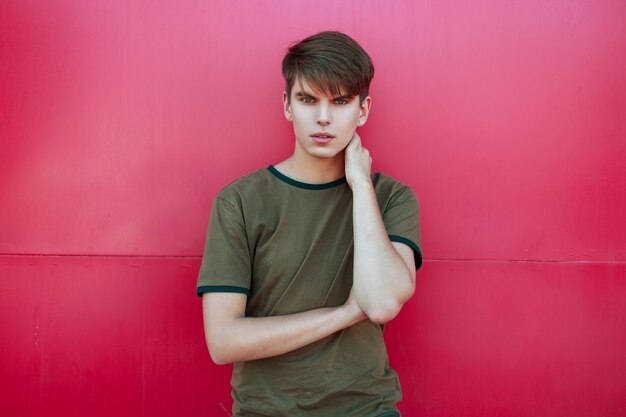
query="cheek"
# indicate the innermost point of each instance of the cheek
(353, 117)
(351, 121)
(299, 117)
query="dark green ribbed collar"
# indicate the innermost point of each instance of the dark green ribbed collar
(305, 185)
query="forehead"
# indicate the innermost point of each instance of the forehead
(302, 86)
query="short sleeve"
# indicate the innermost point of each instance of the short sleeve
(401, 218)
(226, 264)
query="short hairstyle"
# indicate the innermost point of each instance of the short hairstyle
(330, 62)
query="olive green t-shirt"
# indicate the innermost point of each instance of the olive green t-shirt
(288, 245)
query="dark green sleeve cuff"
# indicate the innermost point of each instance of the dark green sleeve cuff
(221, 288)
(416, 250)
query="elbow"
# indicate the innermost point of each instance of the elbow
(219, 357)
(219, 353)
(219, 361)
(381, 314)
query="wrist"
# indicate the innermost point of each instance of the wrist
(352, 313)
(361, 183)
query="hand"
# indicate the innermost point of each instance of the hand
(354, 308)
(358, 162)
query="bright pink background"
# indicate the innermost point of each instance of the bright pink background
(120, 120)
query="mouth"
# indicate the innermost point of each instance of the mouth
(322, 137)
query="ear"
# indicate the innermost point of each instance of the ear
(364, 111)
(287, 107)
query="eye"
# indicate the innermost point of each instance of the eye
(307, 99)
(341, 101)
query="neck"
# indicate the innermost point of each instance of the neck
(313, 170)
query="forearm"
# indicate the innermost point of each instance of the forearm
(250, 338)
(382, 280)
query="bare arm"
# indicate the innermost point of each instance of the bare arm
(232, 337)
(384, 272)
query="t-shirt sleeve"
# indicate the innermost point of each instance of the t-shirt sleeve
(226, 264)
(401, 218)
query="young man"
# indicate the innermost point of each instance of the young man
(307, 259)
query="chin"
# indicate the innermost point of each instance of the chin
(323, 153)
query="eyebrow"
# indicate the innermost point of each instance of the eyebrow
(307, 94)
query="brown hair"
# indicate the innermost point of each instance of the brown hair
(330, 62)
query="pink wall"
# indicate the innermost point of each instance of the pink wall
(119, 122)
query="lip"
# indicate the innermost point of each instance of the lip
(322, 137)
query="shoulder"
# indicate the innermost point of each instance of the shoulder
(391, 190)
(247, 187)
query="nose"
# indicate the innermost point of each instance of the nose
(323, 115)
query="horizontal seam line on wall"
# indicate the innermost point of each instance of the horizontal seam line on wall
(571, 261)
(65, 255)
(200, 257)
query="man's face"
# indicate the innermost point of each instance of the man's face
(323, 125)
